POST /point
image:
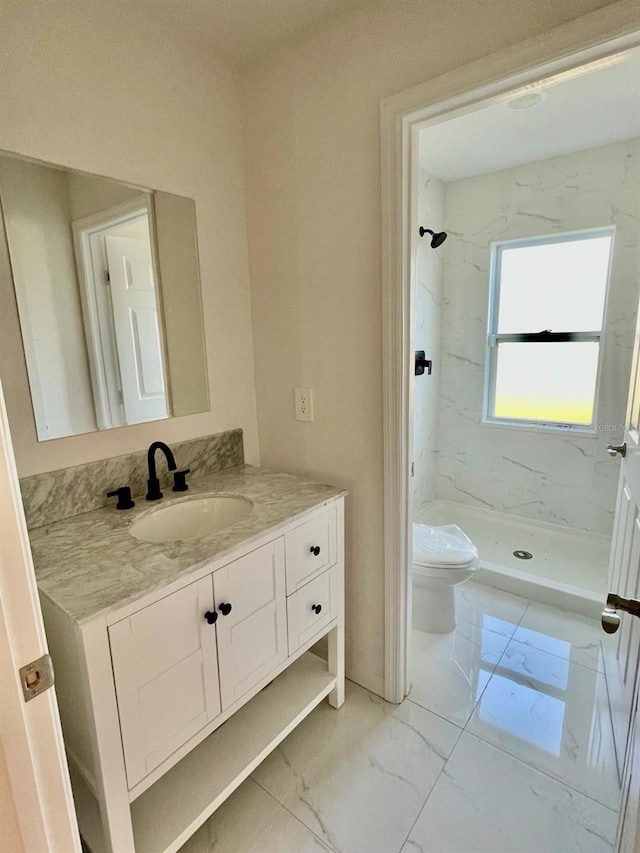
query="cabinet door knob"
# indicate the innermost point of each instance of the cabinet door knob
(316, 608)
(211, 616)
(225, 609)
(315, 550)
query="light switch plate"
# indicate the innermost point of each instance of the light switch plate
(304, 404)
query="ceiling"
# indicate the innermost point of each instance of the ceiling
(578, 111)
(244, 31)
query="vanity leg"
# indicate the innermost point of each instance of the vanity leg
(106, 739)
(336, 636)
(336, 664)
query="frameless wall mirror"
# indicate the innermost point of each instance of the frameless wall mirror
(107, 287)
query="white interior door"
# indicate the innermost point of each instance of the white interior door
(628, 840)
(36, 805)
(622, 657)
(135, 315)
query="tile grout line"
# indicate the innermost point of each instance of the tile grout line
(509, 639)
(504, 750)
(464, 730)
(461, 728)
(295, 817)
(493, 671)
(542, 772)
(435, 713)
(433, 787)
(497, 664)
(545, 652)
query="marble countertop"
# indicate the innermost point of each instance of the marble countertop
(90, 564)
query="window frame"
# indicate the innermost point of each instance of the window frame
(494, 338)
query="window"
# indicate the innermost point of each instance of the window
(546, 315)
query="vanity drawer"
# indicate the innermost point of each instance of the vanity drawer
(310, 549)
(311, 608)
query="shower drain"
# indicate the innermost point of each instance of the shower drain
(523, 555)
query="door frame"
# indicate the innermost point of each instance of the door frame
(591, 37)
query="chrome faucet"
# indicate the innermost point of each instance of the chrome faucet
(153, 483)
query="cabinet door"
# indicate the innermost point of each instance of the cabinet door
(252, 636)
(165, 668)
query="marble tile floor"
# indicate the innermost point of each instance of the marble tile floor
(503, 745)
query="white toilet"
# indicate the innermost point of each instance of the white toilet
(443, 557)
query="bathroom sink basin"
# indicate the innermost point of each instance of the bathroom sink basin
(193, 518)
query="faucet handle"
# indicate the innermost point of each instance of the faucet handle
(124, 497)
(180, 481)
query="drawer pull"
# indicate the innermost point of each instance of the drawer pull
(316, 608)
(211, 616)
(315, 550)
(225, 609)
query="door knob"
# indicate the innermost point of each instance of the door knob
(610, 619)
(614, 449)
(211, 617)
(225, 609)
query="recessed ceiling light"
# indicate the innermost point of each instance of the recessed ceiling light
(525, 102)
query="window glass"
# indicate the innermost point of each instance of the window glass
(546, 382)
(559, 286)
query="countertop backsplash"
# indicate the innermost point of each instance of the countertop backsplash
(55, 495)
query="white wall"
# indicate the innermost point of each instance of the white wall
(427, 321)
(106, 89)
(35, 205)
(563, 479)
(313, 208)
(89, 194)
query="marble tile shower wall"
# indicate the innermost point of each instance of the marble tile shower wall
(427, 312)
(60, 494)
(564, 479)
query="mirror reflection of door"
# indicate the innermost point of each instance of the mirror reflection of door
(137, 333)
(120, 306)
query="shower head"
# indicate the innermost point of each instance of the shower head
(437, 238)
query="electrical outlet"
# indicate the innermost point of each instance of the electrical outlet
(304, 404)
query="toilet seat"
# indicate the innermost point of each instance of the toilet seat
(448, 573)
(446, 547)
(443, 558)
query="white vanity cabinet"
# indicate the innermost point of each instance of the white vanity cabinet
(179, 662)
(145, 689)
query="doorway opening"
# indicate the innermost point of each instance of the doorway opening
(463, 445)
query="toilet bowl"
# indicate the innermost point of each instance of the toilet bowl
(443, 557)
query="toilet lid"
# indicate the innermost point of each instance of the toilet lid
(442, 546)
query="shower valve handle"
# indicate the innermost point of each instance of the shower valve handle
(422, 363)
(614, 449)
